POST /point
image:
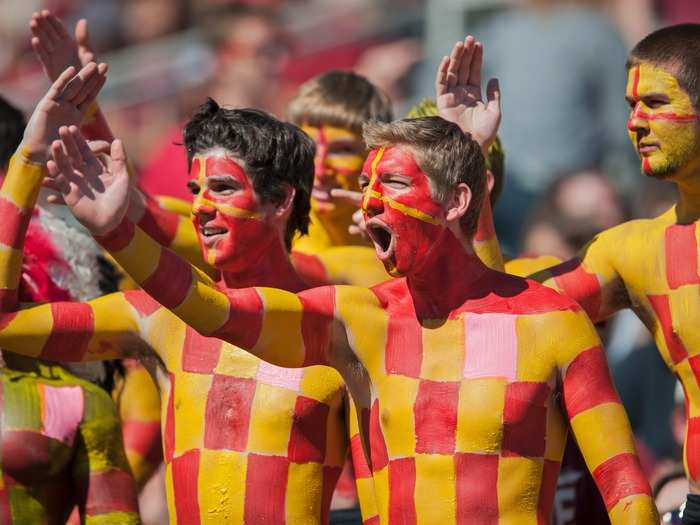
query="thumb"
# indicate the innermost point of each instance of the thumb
(493, 94)
(82, 38)
(118, 155)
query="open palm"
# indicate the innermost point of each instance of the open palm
(96, 190)
(458, 91)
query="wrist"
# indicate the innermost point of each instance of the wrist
(33, 153)
(117, 238)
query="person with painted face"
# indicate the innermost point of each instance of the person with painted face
(276, 455)
(651, 265)
(459, 385)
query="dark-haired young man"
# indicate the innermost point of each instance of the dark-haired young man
(459, 381)
(651, 265)
(244, 441)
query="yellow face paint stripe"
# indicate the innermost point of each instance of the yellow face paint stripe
(373, 176)
(231, 211)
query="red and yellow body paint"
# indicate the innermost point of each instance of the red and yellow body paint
(337, 165)
(663, 121)
(652, 266)
(274, 459)
(463, 420)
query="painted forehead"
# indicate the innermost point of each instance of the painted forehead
(329, 133)
(647, 78)
(394, 159)
(216, 162)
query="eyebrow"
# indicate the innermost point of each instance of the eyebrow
(222, 178)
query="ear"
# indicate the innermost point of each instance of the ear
(490, 181)
(284, 208)
(459, 202)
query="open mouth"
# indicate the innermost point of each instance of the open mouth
(321, 195)
(212, 234)
(382, 237)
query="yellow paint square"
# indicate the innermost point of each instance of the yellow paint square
(204, 307)
(166, 334)
(381, 491)
(10, 267)
(684, 303)
(221, 486)
(443, 350)
(304, 492)
(236, 362)
(191, 393)
(398, 395)
(367, 498)
(140, 257)
(480, 415)
(271, 418)
(519, 481)
(557, 430)
(602, 432)
(321, 383)
(435, 495)
(28, 332)
(280, 341)
(535, 357)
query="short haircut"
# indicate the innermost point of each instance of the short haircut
(275, 153)
(12, 123)
(217, 22)
(495, 159)
(339, 98)
(675, 47)
(446, 155)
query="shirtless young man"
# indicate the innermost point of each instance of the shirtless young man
(244, 441)
(457, 368)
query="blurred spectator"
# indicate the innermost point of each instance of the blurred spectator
(147, 20)
(563, 102)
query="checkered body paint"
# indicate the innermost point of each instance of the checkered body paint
(651, 265)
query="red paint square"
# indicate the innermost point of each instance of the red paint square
(692, 447)
(159, 224)
(588, 383)
(307, 441)
(185, 472)
(318, 307)
(402, 485)
(435, 412)
(619, 477)
(330, 479)
(579, 284)
(662, 309)
(243, 326)
(227, 416)
(681, 255)
(200, 354)
(404, 346)
(359, 461)
(378, 452)
(525, 419)
(73, 326)
(266, 489)
(111, 491)
(476, 488)
(12, 217)
(550, 475)
(144, 304)
(170, 281)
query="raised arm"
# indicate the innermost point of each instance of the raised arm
(106, 489)
(598, 420)
(57, 50)
(590, 278)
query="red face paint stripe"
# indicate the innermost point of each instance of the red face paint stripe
(119, 238)
(318, 309)
(619, 477)
(550, 475)
(307, 442)
(402, 486)
(169, 437)
(111, 491)
(227, 416)
(73, 326)
(635, 82)
(143, 437)
(588, 383)
(670, 116)
(171, 280)
(646, 165)
(681, 256)
(245, 319)
(662, 309)
(692, 447)
(359, 462)
(185, 473)
(525, 419)
(158, 223)
(580, 285)
(265, 491)
(435, 412)
(477, 488)
(200, 354)
(379, 454)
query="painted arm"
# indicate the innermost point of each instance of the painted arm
(138, 403)
(106, 488)
(590, 279)
(57, 50)
(599, 422)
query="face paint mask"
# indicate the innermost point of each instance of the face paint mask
(337, 165)
(663, 124)
(230, 221)
(403, 219)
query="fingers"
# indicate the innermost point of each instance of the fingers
(466, 64)
(454, 65)
(60, 168)
(441, 77)
(477, 60)
(355, 197)
(84, 150)
(59, 86)
(118, 154)
(71, 147)
(493, 95)
(82, 37)
(57, 28)
(91, 87)
(56, 200)
(99, 147)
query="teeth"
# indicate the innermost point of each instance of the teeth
(213, 231)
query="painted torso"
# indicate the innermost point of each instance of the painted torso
(462, 409)
(244, 441)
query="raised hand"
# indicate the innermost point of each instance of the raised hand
(55, 48)
(65, 103)
(96, 191)
(458, 93)
(354, 197)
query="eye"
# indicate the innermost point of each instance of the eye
(193, 187)
(363, 181)
(397, 184)
(223, 188)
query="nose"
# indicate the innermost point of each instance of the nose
(202, 209)
(372, 203)
(637, 121)
(320, 161)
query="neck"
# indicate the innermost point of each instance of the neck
(446, 279)
(688, 207)
(273, 269)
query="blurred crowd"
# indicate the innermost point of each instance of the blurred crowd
(570, 171)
